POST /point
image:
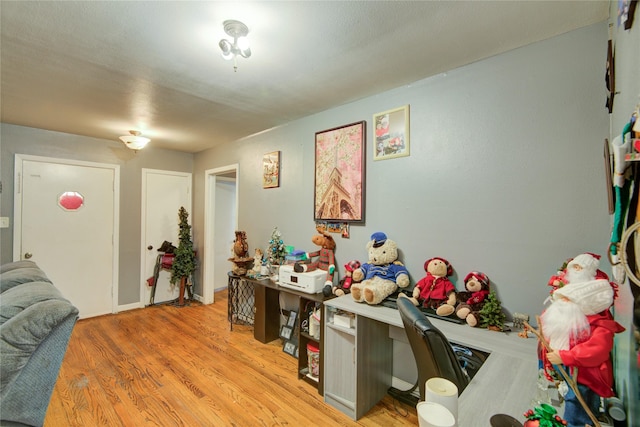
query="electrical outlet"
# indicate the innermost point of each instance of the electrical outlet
(4, 222)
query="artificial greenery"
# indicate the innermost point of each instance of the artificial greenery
(276, 251)
(491, 313)
(184, 263)
(546, 415)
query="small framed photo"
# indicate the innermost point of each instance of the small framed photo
(391, 134)
(290, 348)
(291, 321)
(271, 170)
(285, 332)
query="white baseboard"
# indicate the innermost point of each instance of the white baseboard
(131, 306)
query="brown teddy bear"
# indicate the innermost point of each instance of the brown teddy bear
(435, 290)
(326, 258)
(382, 275)
(472, 300)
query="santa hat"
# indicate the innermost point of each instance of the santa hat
(480, 277)
(449, 268)
(593, 296)
(587, 261)
(351, 266)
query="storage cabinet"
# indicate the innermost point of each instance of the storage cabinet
(305, 339)
(353, 346)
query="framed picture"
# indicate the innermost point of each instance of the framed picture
(290, 348)
(391, 134)
(339, 174)
(285, 332)
(271, 170)
(291, 321)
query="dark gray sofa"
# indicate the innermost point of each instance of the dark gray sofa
(36, 322)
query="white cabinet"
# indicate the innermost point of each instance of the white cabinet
(352, 354)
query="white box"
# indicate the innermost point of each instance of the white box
(344, 320)
(311, 282)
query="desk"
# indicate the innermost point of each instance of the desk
(506, 382)
(253, 301)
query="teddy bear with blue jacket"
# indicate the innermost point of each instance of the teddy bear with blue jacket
(381, 276)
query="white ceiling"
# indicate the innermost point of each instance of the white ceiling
(101, 68)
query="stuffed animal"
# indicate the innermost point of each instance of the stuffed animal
(326, 257)
(382, 275)
(435, 290)
(472, 300)
(344, 285)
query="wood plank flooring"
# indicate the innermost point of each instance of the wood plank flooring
(182, 366)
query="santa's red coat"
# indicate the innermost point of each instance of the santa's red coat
(592, 357)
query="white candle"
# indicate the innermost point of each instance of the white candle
(434, 415)
(443, 392)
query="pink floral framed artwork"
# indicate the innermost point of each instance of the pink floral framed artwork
(340, 173)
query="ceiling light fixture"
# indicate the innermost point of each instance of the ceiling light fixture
(135, 141)
(240, 45)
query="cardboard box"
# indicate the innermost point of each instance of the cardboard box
(311, 282)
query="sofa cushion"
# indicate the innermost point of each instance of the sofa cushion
(16, 264)
(28, 313)
(18, 276)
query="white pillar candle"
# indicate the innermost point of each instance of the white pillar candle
(434, 415)
(444, 392)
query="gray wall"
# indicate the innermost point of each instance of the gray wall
(505, 174)
(37, 142)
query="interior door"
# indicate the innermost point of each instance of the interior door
(164, 192)
(66, 221)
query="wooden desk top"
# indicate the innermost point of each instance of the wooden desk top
(268, 283)
(507, 381)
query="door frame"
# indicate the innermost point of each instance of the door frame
(17, 210)
(210, 178)
(143, 221)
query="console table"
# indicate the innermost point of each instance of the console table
(256, 302)
(361, 359)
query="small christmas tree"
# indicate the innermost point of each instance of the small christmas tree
(491, 314)
(184, 263)
(276, 251)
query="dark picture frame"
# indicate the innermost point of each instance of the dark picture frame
(286, 332)
(271, 170)
(290, 348)
(340, 173)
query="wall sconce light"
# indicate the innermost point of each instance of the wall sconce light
(135, 141)
(240, 45)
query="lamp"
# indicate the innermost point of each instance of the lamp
(135, 141)
(240, 45)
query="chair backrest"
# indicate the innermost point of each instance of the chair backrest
(431, 349)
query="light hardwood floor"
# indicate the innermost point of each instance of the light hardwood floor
(182, 366)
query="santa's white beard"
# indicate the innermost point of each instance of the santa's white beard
(563, 324)
(576, 276)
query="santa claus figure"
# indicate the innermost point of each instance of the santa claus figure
(580, 328)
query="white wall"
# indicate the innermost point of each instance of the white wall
(505, 175)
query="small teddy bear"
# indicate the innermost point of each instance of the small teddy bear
(382, 275)
(435, 290)
(471, 301)
(344, 285)
(326, 259)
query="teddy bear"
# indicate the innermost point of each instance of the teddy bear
(326, 257)
(476, 284)
(344, 285)
(435, 290)
(375, 280)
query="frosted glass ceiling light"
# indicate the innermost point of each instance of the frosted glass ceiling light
(135, 141)
(240, 44)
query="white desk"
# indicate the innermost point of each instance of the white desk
(506, 382)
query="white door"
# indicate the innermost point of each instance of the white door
(66, 221)
(163, 193)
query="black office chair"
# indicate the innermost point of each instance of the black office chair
(435, 357)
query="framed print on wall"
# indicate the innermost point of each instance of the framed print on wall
(391, 134)
(339, 173)
(271, 170)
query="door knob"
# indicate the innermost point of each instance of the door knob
(28, 255)
(149, 247)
